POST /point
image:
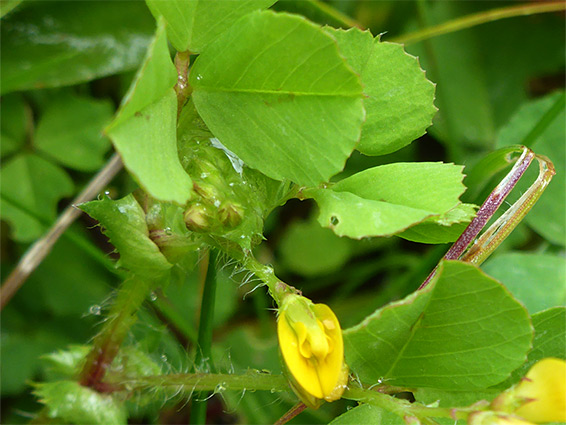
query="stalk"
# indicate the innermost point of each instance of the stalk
(107, 343)
(476, 19)
(203, 358)
(498, 231)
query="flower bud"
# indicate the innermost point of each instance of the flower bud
(311, 344)
(198, 218)
(230, 214)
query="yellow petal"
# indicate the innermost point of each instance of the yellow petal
(300, 367)
(544, 388)
(330, 371)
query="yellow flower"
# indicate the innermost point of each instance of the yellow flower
(493, 418)
(544, 392)
(311, 343)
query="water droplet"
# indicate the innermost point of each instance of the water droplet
(153, 296)
(199, 77)
(203, 175)
(107, 192)
(95, 309)
(231, 184)
(168, 231)
(163, 358)
(217, 203)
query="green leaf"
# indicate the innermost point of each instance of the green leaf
(449, 228)
(310, 250)
(368, 414)
(30, 190)
(69, 281)
(388, 199)
(19, 361)
(537, 280)
(65, 364)
(15, 120)
(275, 91)
(8, 5)
(124, 223)
(52, 44)
(222, 183)
(399, 99)
(73, 403)
(148, 146)
(144, 130)
(435, 337)
(550, 328)
(540, 125)
(155, 77)
(70, 130)
(193, 24)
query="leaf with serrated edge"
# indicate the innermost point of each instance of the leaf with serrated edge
(537, 280)
(124, 223)
(549, 341)
(399, 99)
(444, 229)
(76, 404)
(388, 199)
(192, 24)
(275, 91)
(463, 331)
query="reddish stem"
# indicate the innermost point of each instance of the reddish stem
(487, 210)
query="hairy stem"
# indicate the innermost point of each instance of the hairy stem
(277, 288)
(480, 18)
(404, 408)
(253, 380)
(122, 316)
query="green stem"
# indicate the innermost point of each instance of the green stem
(480, 18)
(253, 380)
(545, 121)
(334, 14)
(277, 288)
(203, 358)
(182, 88)
(403, 407)
(107, 343)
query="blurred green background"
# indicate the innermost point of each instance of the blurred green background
(64, 69)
